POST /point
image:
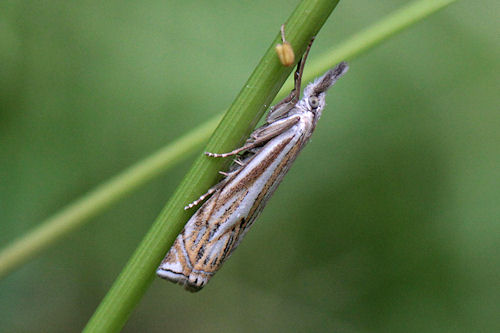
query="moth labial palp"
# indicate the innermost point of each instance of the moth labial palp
(215, 230)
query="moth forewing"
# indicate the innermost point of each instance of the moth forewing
(216, 229)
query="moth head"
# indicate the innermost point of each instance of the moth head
(315, 92)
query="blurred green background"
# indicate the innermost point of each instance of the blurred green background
(388, 221)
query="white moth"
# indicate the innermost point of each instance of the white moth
(216, 229)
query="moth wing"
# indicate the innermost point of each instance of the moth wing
(203, 245)
(210, 235)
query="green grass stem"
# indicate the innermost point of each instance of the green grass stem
(241, 117)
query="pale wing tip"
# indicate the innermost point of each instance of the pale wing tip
(180, 279)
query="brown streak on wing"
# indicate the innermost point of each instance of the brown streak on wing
(256, 172)
(200, 262)
(198, 252)
(276, 176)
(202, 218)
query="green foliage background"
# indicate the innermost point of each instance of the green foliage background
(389, 220)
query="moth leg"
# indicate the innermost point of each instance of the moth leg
(286, 104)
(205, 195)
(300, 70)
(231, 153)
(262, 135)
(213, 189)
(269, 131)
(239, 162)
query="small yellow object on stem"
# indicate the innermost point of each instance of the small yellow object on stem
(285, 50)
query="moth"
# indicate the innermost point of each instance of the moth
(219, 225)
